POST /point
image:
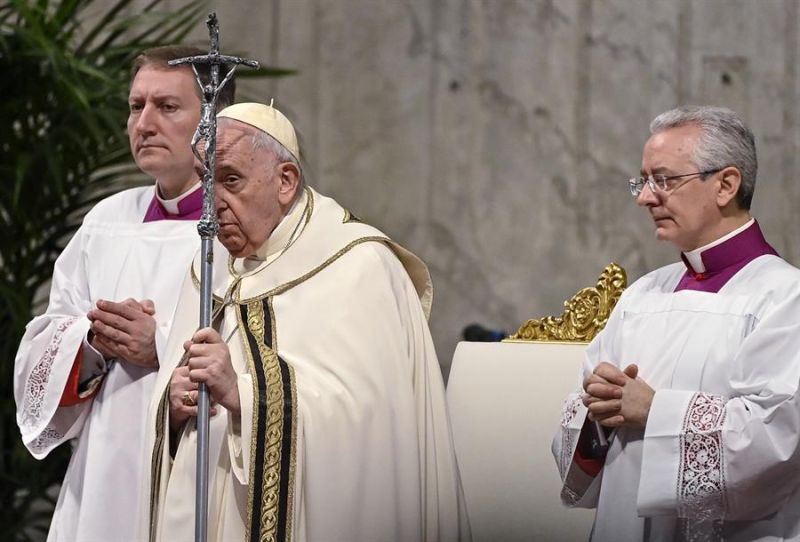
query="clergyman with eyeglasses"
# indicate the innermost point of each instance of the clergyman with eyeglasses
(687, 425)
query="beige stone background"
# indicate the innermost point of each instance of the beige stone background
(494, 137)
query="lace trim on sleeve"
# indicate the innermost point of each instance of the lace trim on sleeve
(569, 497)
(700, 530)
(48, 438)
(568, 437)
(701, 476)
(36, 386)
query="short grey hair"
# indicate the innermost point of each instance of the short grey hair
(264, 141)
(726, 141)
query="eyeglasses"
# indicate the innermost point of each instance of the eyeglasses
(661, 182)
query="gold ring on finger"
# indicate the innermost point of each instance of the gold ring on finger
(187, 399)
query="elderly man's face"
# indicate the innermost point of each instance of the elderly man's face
(164, 112)
(686, 214)
(253, 191)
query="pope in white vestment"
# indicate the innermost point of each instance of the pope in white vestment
(717, 338)
(343, 433)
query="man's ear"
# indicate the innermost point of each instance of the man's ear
(730, 179)
(289, 182)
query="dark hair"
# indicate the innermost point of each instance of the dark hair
(159, 57)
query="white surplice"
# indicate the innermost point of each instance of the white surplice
(357, 429)
(112, 256)
(720, 457)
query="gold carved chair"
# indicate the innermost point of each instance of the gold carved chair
(505, 406)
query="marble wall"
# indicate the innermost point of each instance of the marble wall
(494, 137)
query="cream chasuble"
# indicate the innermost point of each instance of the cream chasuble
(112, 256)
(343, 434)
(720, 458)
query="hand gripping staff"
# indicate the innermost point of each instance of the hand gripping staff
(207, 228)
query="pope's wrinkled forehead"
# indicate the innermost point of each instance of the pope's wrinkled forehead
(234, 130)
(229, 134)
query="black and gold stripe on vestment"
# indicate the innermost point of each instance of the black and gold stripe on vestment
(155, 461)
(273, 443)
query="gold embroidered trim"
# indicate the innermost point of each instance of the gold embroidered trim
(307, 218)
(310, 196)
(584, 316)
(156, 467)
(293, 444)
(350, 217)
(253, 439)
(268, 508)
(196, 281)
(292, 283)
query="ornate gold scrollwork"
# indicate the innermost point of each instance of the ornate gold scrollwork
(584, 316)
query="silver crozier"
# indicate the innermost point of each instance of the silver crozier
(207, 228)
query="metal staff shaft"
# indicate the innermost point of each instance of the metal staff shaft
(203, 428)
(207, 228)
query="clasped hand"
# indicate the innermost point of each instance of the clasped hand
(209, 362)
(125, 330)
(617, 397)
